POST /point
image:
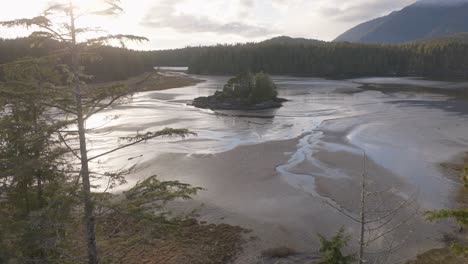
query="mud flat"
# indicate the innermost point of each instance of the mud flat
(272, 171)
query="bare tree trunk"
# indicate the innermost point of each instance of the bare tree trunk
(362, 216)
(89, 208)
(362, 220)
(37, 155)
(88, 203)
(381, 217)
(40, 198)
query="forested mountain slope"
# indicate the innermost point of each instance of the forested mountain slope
(421, 20)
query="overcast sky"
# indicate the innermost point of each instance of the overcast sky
(180, 23)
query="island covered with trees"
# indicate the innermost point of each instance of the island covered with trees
(246, 91)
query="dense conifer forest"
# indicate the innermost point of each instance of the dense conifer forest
(441, 58)
(110, 64)
(444, 58)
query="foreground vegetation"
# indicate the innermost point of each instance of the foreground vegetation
(50, 205)
(54, 207)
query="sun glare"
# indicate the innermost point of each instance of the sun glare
(88, 4)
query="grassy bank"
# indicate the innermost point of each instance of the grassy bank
(456, 170)
(153, 81)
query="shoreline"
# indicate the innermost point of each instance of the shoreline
(245, 188)
(256, 196)
(211, 103)
(154, 81)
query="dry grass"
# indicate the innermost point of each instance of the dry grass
(163, 81)
(456, 171)
(178, 242)
(152, 82)
(439, 256)
(123, 240)
(279, 252)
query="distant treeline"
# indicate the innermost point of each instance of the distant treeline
(107, 64)
(438, 59)
(443, 58)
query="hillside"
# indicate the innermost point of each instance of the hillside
(289, 40)
(421, 20)
(441, 58)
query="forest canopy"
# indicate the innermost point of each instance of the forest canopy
(440, 58)
(109, 64)
(445, 58)
(246, 91)
(254, 88)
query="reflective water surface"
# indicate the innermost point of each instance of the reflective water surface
(407, 132)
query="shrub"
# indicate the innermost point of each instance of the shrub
(331, 249)
(247, 86)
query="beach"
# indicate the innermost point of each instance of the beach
(277, 172)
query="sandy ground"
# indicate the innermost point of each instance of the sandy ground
(154, 81)
(243, 188)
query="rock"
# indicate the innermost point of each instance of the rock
(219, 103)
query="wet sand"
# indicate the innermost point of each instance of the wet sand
(274, 175)
(242, 187)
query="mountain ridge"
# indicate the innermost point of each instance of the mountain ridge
(421, 20)
(288, 40)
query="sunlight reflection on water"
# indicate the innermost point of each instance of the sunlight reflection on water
(407, 139)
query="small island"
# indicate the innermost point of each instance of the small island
(246, 91)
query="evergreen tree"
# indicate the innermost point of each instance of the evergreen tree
(36, 196)
(331, 250)
(264, 89)
(75, 99)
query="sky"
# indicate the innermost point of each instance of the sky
(180, 23)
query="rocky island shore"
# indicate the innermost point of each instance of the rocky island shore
(211, 102)
(246, 91)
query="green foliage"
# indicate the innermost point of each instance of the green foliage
(240, 86)
(439, 58)
(253, 88)
(44, 192)
(40, 21)
(331, 249)
(140, 215)
(461, 216)
(103, 63)
(442, 58)
(264, 88)
(149, 197)
(37, 197)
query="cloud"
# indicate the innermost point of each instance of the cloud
(164, 15)
(245, 8)
(247, 3)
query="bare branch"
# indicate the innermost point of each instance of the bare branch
(62, 139)
(343, 212)
(392, 211)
